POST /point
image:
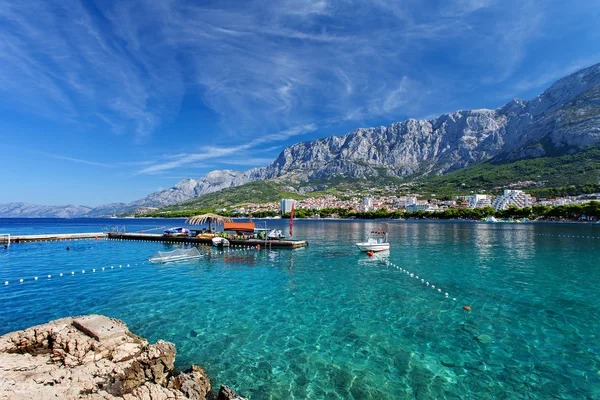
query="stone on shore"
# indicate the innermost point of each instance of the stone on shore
(93, 357)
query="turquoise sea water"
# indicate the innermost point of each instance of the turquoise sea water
(328, 321)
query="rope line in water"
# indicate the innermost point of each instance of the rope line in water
(423, 281)
(113, 267)
(83, 271)
(526, 232)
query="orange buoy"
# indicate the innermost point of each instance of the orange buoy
(467, 308)
(370, 253)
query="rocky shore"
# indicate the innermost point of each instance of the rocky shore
(95, 357)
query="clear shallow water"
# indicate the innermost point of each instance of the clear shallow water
(328, 322)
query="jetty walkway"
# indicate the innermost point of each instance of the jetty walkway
(155, 237)
(51, 237)
(152, 237)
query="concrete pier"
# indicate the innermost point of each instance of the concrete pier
(153, 237)
(52, 237)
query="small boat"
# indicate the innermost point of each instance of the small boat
(176, 232)
(376, 242)
(175, 255)
(220, 242)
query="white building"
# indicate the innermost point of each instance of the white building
(285, 205)
(422, 206)
(479, 201)
(405, 201)
(515, 198)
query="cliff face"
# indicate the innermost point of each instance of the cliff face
(566, 115)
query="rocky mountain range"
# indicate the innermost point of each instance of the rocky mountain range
(562, 118)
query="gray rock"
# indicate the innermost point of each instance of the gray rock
(226, 393)
(92, 357)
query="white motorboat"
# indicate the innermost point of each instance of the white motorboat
(175, 255)
(176, 232)
(220, 242)
(376, 242)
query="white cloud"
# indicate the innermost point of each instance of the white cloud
(80, 161)
(248, 162)
(260, 67)
(219, 154)
(62, 60)
(549, 76)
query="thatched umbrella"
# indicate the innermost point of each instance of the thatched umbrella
(210, 218)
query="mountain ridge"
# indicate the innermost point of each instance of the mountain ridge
(564, 116)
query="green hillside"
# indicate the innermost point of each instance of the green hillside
(256, 192)
(580, 168)
(568, 174)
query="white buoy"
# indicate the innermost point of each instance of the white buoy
(433, 286)
(94, 270)
(102, 268)
(35, 279)
(83, 271)
(446, 294)
(411, 275)
(60, 274)
(72, 272)
(454, 298)
(128, 265)
(422, 280)
(427, 283)
(111, 267)
(439, 290)
(120, 266)
(417, 276)
(49, 276)
(6, 282)
(21, 280)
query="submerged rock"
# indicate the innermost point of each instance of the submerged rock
(485, 339)
(226, 393)
(93, 357)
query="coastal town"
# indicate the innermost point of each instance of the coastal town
(410, 203)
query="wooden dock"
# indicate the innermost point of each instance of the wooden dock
(154, 237)
(53, 237)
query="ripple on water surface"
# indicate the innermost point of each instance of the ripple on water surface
(329, 322)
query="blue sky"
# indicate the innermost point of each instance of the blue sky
(108, 101)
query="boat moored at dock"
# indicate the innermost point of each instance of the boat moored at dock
(178, 231)
(220, 242)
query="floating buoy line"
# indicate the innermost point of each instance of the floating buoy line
(569, 236)
(420, 279)
(529, 233)
(60, 274)
(232, 249)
